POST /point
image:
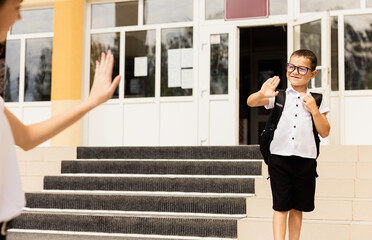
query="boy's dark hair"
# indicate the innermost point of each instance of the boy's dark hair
(307, 54)
(2, 2)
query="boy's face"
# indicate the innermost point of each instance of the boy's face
(296, 79)
(9, 14)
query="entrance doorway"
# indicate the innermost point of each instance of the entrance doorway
(263, 54)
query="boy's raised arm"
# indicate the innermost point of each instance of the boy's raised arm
(261, 98)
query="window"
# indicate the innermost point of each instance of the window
(28, 58)
(114, 14)
(214, 9)
(140, 64)
(219, 64)
(176, 61)
(278, 7)
(167, 11)
(101, 42)
(334, 54)
(321, 5)
(358, 59)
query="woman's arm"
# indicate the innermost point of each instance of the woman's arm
(29, 136)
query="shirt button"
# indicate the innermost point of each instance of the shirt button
(294, 126)
(298, 97)
(295, 115)
(296, 105)
(293, 138)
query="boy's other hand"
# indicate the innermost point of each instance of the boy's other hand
(103, 87)
(310, 104)
(268, 88)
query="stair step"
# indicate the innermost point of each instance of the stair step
(22, 234)
(210, 205)
(214, 185)
(202, 227)
(205, 152)
(164, 167)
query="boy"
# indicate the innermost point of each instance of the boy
(293, 149)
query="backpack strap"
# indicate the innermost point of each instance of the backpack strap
(278, 107)
(318, 99)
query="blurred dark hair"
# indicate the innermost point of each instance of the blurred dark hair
(2, 2)
(307, 54)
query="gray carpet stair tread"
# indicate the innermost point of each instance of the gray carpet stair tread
(210, 205)
(214, 185)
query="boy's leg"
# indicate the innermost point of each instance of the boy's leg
(294, 224)
(279, 224)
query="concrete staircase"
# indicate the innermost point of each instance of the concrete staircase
(144, 193)
(343, 207)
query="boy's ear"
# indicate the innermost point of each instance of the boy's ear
(314, 73)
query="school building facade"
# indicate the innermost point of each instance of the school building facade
(188, 67)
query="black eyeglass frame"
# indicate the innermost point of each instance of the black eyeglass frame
(298, 69)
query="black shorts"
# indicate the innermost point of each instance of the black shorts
(292, 182)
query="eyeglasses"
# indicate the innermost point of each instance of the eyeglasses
(300, 69)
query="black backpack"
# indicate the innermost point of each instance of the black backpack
(272, 122)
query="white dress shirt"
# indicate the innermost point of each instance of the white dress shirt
(12, 198)
(294, 133)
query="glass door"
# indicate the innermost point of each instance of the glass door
(218, 84)
(314, 33)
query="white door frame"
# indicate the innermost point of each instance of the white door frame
(229, 103)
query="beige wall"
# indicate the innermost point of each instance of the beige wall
(40, 162)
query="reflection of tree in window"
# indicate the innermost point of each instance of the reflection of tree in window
(358, 54)
(37, 84)
(174, 39)
(101, 43)
(219, 66)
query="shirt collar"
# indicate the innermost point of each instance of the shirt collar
(291, 90)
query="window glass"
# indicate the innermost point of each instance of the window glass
(140, 64)
(310, 38)
(34, 21)
(219, 64)
(369, 3)
(114, 14)
(38, 69)
(12, 70)
(167, 11)
(278, 7)
(214, 9)
(176, 61)
(358, 59)
(318, 79)
(321, 5)
(101, 43)
(334, 54)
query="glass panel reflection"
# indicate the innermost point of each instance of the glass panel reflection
(12, 69)
(38, 70)
(174, 41)
(140, 64)
(321, 5)
(115, 14)
(334, 54)
(318, 79)
(278, 7)
(310, 38)
(214, 9)
(34, 21)
(219, 64)
(358, 48)
(101, 43)
(167, 11)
